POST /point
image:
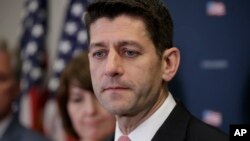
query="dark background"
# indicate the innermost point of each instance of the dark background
(215, 64)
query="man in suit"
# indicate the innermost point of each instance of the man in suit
(132, 59)
(10, 128)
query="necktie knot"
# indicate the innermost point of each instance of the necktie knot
(124, 138)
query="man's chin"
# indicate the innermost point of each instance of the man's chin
(117, 110)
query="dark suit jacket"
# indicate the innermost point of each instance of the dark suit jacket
(16, 132)
(182, 126)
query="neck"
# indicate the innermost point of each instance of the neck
(128, 123)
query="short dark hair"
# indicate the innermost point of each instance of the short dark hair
(154, 13)
(76, 71)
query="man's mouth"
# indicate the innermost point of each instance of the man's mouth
(114, 88)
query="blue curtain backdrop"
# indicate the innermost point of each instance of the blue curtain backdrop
(215, 68)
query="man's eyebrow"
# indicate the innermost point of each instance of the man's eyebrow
(117, 44)
(129, 42)
(97, 44)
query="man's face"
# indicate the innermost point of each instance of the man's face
(125, 68)
(7, 90)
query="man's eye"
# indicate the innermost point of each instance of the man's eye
(130, 53)
(99, 54)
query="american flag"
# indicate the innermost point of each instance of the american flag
(73, 39)
(32, 49)
(216, 8)
(212, 117)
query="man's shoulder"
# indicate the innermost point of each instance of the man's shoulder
(17, 132)
(198, 130)
(182, 125)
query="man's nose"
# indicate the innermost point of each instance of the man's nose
(114, 64)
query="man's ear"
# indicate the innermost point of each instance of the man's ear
(171, 60)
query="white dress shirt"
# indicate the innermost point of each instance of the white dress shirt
(147, 129)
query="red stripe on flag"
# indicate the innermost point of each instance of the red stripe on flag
(38, 99)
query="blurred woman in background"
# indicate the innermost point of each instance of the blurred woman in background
(82, 115)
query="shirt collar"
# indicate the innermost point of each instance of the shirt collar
(150, 126)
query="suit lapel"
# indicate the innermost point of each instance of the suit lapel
(174, 127)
